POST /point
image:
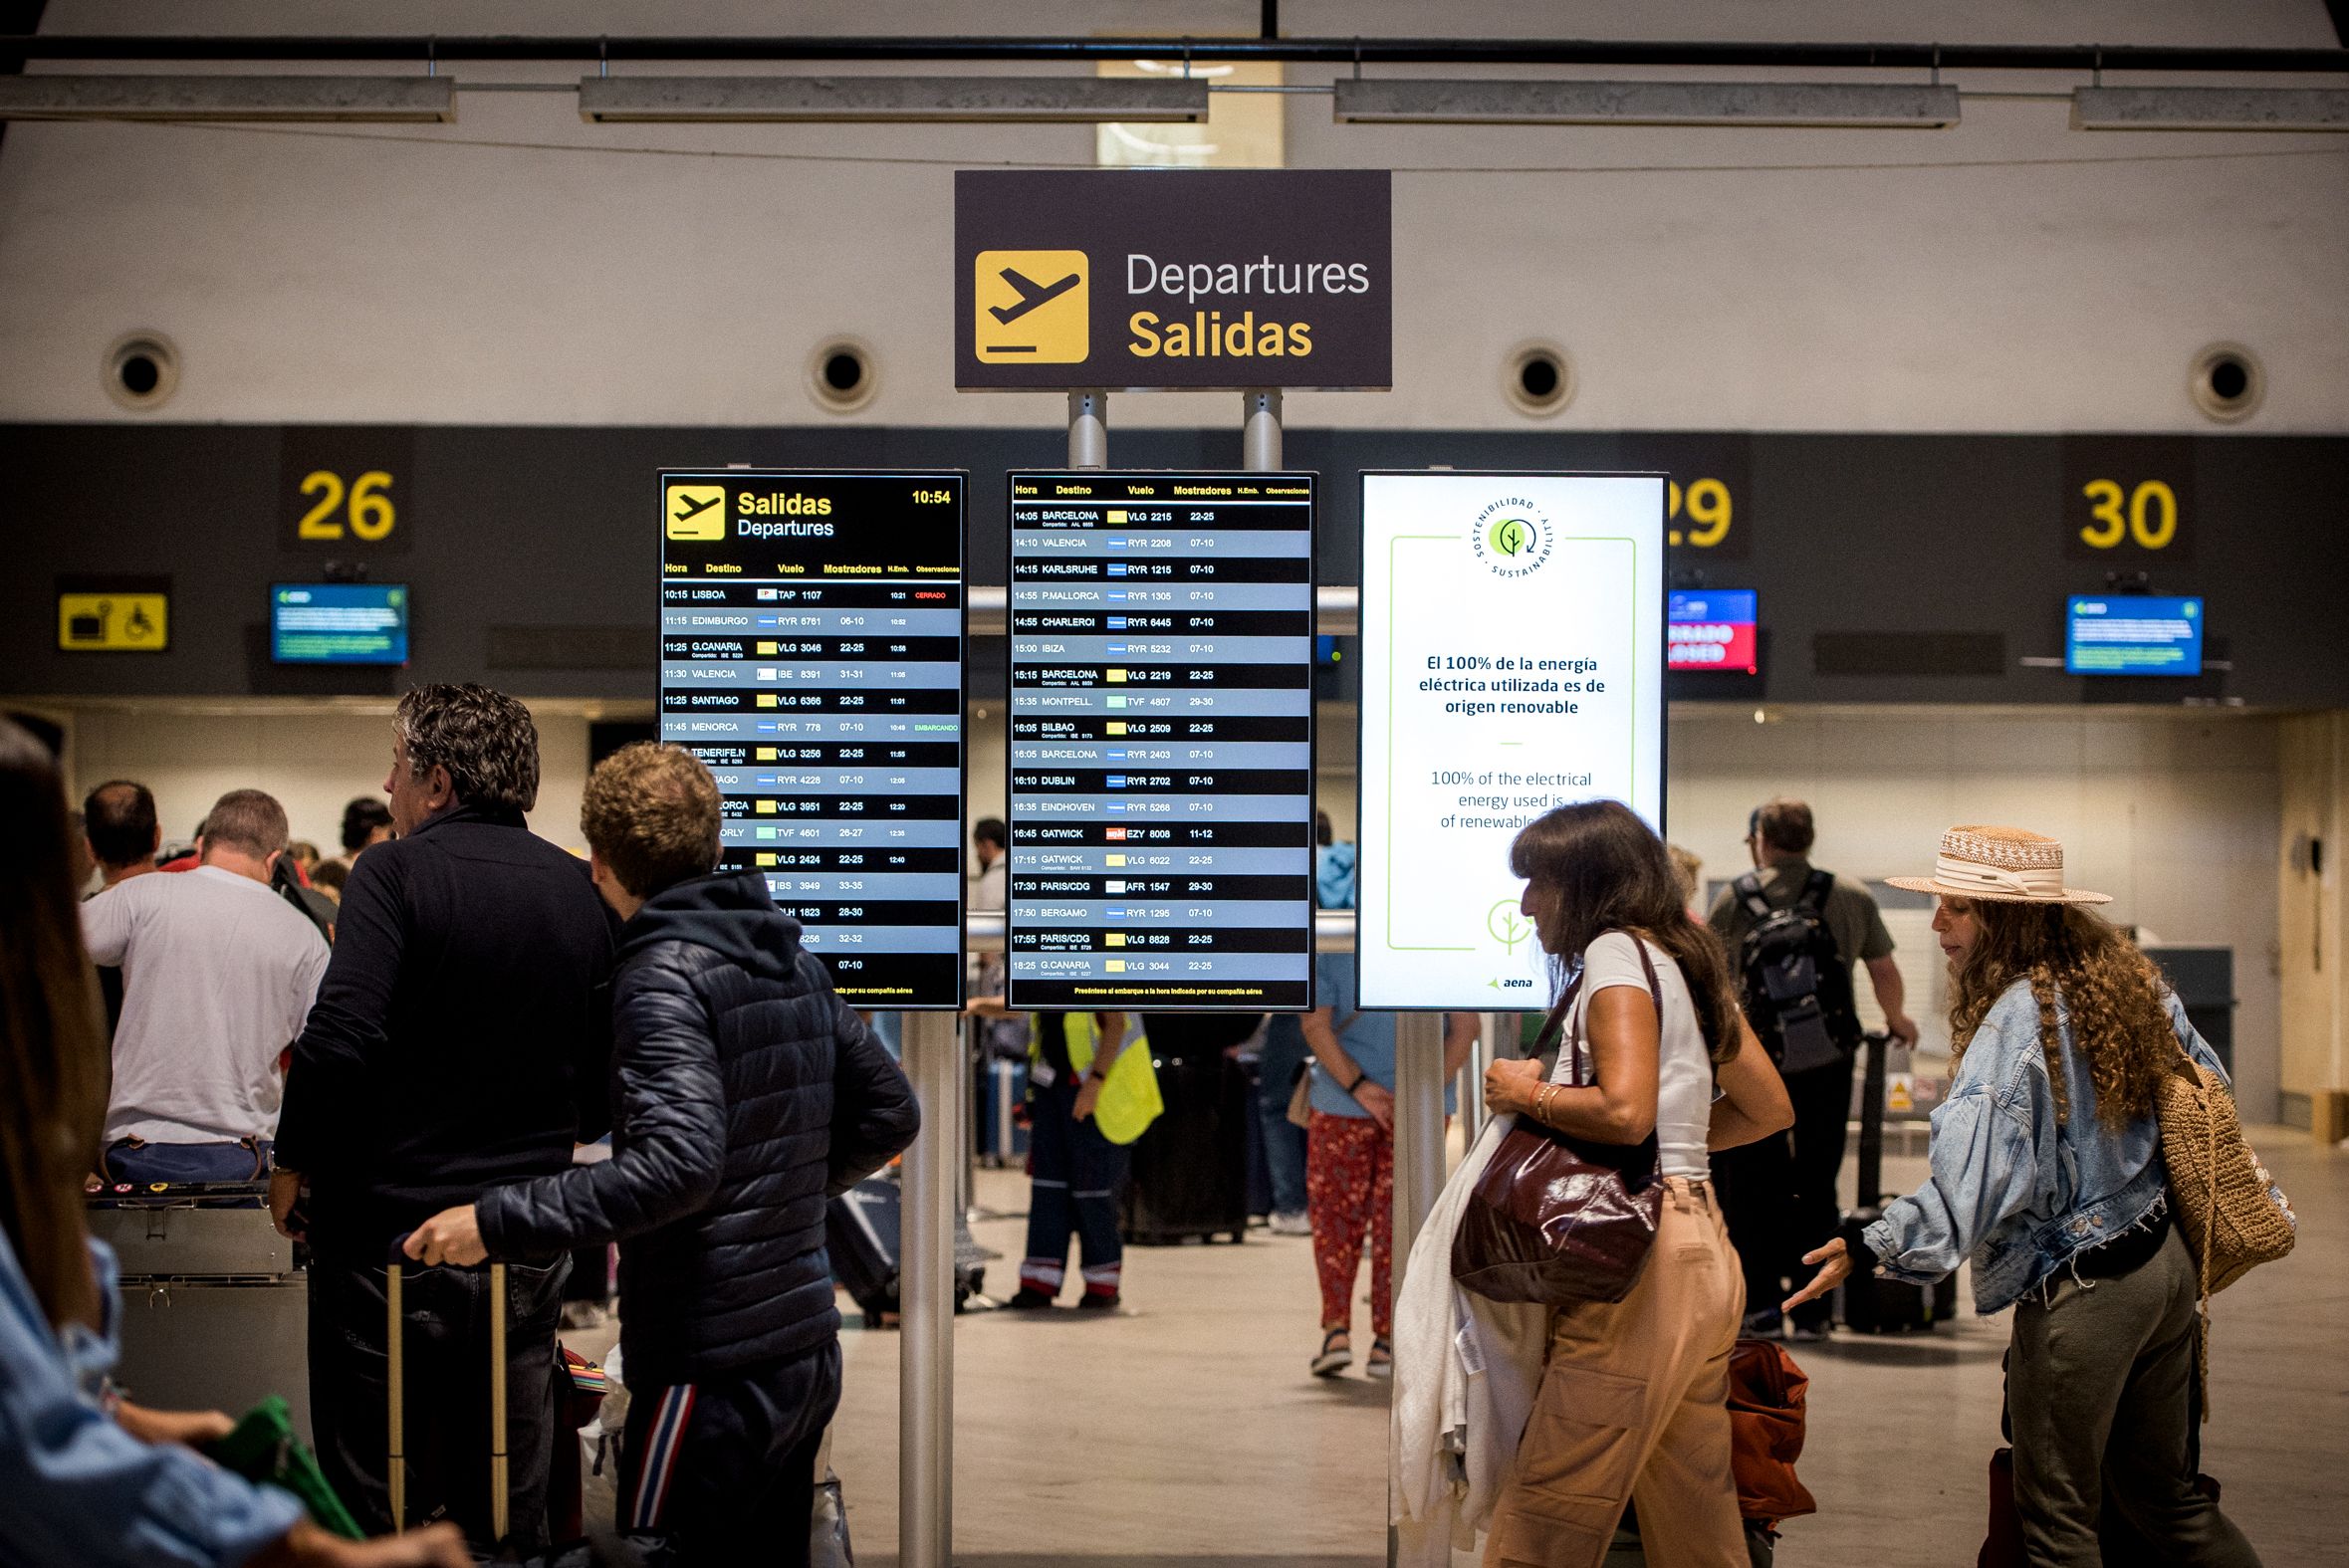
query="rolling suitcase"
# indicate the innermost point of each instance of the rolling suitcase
(860, 1233)
(1866, 1302)
(1189, 1176)
(501, 1502)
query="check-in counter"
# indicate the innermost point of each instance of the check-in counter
(215, 1316)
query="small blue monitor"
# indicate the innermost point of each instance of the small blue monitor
(339, 623)
(2133, 634)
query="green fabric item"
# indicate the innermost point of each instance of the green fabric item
(264, 1449)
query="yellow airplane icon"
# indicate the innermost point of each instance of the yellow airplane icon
(1032, 308)
(696, 511)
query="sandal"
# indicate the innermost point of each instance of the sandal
(1382, 1359)
(1337, 1354)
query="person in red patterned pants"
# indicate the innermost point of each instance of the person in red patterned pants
(1350, 1160)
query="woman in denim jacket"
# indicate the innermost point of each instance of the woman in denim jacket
(2047, 1172)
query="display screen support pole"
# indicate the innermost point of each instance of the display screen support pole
(1419, 1154)
(1418, 1126)
(925, 1334)
(1089, 429)
(1260, 430)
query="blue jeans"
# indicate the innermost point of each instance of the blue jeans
(1072, 1192)
(1284, 1142)
(137, 1163)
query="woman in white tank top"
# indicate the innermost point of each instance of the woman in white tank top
(1633, 1400)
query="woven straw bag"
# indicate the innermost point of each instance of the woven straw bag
(2226, 1205)
(2232, 1220)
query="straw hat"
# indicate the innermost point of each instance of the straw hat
(2007, 864)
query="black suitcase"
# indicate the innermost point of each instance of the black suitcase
(1866, 1302)
(860, 1233)
(1189, 1176)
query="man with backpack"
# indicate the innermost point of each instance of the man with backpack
(1793, 932)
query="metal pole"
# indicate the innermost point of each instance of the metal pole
(1260, 430)
(1418, 1126)
(1472, 1074)
(1089, 429)
(925, 1299)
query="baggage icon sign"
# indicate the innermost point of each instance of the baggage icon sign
(111, 622)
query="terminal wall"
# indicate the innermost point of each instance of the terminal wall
(520, 266)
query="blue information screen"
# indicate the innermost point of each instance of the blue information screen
(339, 623)
(1712, 630)
(1161, 804)
(2132, 634)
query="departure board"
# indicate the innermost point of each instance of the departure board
(812, 654)
(1161, 803)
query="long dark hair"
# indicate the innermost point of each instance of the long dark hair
(52, 1051)
(2109, 990)
(1608, 871)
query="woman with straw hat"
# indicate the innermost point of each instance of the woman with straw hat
(2048, 1174)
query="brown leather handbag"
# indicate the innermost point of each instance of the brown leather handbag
(1556, 1220)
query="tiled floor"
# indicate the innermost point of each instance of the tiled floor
(1187, 1433)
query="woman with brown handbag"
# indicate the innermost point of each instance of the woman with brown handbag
(1633, 1394)
(2052, 1172)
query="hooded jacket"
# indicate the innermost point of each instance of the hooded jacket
(744, 1094)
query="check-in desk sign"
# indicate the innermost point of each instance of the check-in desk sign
(114, 614)
(1133, 281)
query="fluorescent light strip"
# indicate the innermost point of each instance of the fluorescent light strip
(1377, 101)
(2210, 109)
(392, 100)
(608, 99)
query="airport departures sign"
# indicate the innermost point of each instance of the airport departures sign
(1135, 281)
(1513, 660)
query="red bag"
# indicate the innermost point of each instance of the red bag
(1554, 1220)
(1765, 1418)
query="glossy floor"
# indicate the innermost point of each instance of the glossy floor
(1186, 1430)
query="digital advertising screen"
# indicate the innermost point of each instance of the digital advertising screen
(812, 654)
(339, 623)
(1513, 660)
(1716, 630)
(2133, 634)
(1161, 805)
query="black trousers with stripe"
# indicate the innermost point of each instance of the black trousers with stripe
(724, 1471)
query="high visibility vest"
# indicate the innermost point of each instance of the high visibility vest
(1130, 1099)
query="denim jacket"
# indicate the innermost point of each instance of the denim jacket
(2012, 1188)
(80, 1489)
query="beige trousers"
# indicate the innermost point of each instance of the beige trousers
(1634, 1405)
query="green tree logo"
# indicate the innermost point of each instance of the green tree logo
(1507, 923)
(1510, 536)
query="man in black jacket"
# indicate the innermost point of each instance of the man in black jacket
(745, 1093)
(460, 1039)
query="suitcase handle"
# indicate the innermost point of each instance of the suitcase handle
(395, 1392)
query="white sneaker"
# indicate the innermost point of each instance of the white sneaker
(1293, 1223)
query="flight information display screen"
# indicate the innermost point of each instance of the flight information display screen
(812, 654)
(1161, 805)
(339, 623)
(1712, 630)
(2133, 634)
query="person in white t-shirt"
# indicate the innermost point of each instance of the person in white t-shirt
(218, 975)
(1633, 1398)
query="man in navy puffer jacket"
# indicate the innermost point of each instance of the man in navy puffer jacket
(744, 1094)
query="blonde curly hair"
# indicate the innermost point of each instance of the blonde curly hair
(2116, 1000)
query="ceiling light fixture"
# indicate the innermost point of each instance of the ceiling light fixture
(387, 100)
(2210, 109)
(1380, 101)
(1006, 100)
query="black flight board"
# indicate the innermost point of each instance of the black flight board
(1161, 804)
(812, 654)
